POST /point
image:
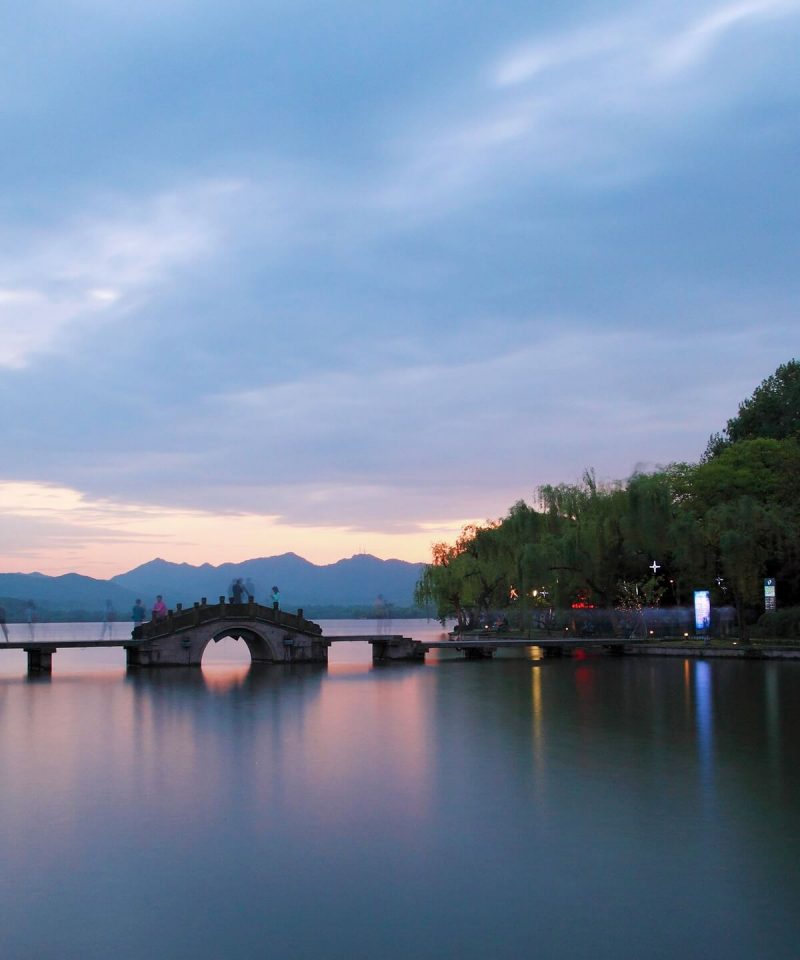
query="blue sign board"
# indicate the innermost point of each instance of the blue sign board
(702, 610)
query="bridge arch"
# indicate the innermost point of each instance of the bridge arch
(271, 636)
(262, 647)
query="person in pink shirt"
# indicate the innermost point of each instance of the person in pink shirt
(159, 608)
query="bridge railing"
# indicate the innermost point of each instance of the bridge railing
(202, 612)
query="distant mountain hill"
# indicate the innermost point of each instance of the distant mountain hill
(355, 581)
(68, 592)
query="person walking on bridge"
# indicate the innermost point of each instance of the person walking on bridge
(159, 608)
(108, 618)
(30, 616)
(138, 612)
(275, 597)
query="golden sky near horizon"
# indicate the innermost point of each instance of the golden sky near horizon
(54, 530)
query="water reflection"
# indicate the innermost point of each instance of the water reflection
(772, 712)
(221, 679)
(704, 718)
(448, 809)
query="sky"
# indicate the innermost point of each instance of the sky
(341, 277)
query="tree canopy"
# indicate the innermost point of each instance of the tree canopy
(771, 413)
(721, 524)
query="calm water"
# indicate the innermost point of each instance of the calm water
(618, 808)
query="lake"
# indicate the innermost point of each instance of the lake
(577, 808)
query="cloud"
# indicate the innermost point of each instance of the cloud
(523, 65)
(63, 280)
(393, 460)
(698, 40)
(585, 107)
(444, 268)
(53, 529)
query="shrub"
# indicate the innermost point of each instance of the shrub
(780, 624)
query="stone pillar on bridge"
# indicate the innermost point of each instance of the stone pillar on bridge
(40, 660)
(391, 649)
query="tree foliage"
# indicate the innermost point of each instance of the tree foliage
(771, 413)
(721, 524)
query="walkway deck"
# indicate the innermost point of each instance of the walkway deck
(40, 652)
(293, 631)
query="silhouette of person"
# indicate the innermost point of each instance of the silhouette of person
(138, 613)
(250, 589)
(108, 618)
(159, 608)
(237, 590)
(275, 596)
(381, 613)
(3, 626)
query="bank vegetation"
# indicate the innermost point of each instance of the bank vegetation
(723, 524)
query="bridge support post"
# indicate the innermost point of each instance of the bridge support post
(397, 648)
(40, 661)
(140, 655)
(479, 653)
(549, 651)
(300, 649)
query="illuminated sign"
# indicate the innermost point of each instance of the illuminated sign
(769, 593)
(702, 610)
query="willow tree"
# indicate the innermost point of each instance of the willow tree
(588, 541)
(462, 578)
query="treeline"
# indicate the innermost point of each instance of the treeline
(361, 612)
(723, 525)
(17, 612)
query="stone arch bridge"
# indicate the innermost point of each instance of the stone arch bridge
(272, 636)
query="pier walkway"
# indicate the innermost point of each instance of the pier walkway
(40, 652)
(278, 637)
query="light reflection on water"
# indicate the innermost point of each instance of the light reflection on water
(501, 808)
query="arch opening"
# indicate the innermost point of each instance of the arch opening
(236, 644)
(227, 651)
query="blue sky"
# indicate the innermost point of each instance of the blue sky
(342, 276)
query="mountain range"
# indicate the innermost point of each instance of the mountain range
(356, 581)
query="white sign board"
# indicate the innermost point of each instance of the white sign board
(769, 593)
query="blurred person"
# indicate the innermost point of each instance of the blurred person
(275, 598)
(250, 589)
(159, 608)
(3, 626)
(108, 618)
(381, 613)
(138, 613)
